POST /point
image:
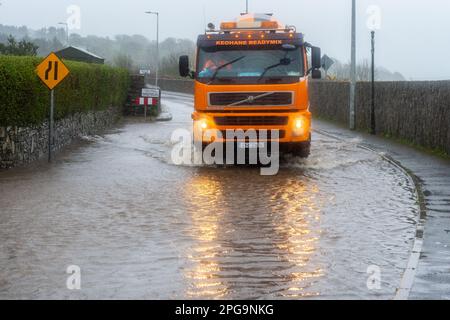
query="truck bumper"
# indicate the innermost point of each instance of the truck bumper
(292, 127)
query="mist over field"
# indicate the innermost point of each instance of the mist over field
(406, 28)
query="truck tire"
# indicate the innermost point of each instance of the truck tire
(302, 151)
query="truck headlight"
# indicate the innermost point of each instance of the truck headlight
(204, 130)
(299, 123)
(203, 124)
(299, 126)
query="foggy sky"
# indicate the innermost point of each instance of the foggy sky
(413, 39)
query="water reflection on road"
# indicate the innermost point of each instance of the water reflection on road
(255, 242)
(141, 227)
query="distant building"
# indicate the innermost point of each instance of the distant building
(78, 54)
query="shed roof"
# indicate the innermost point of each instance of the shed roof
(79, 54)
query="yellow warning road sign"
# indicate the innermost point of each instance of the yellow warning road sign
(52, 71)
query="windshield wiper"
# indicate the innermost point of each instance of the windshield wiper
(283, 62)
(224, 66)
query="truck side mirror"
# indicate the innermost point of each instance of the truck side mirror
(316, 74)
(316, 58)
(184, 66)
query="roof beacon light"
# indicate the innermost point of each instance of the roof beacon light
(228, 25)
(269, 24)
(253, 22)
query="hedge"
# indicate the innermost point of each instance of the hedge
(25, 100)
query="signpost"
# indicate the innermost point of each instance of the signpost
(144, 72)
(52, 71)
(327, 62)
(149, 93)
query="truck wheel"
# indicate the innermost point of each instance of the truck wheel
(302, 150)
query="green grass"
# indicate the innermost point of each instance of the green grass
(433, 151)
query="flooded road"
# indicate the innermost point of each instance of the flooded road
(141, 227)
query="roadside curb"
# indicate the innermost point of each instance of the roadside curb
(404, 290)
(407, 281)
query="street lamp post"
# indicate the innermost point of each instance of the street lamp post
(372, 109)
(157, 45)
(352, 104)
(67, 31)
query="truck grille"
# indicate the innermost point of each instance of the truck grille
(229, 98)
(281, 134)
(251, 121)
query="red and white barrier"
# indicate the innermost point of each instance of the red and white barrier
(146, 101)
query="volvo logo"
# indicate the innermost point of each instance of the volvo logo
(251, 99)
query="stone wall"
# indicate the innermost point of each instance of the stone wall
(183, 86)
(418, 112)
(20, 146)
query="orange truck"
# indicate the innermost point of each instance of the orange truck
(253, 73)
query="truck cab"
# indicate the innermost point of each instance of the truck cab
(253, 73)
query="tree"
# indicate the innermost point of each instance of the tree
(363, 71)
(123, 61)
(47, 46)
(341, 71)
(169, 65)
(130, 51)
(21, 48)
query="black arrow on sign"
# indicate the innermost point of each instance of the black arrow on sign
(49, 69)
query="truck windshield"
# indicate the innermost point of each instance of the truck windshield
(249, 65)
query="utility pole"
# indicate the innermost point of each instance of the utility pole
(157, 49)
(157, 44)
(372, 110)
(352, 104)
(246, 6)
(67, 31)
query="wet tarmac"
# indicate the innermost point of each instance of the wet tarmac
(141, 227)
